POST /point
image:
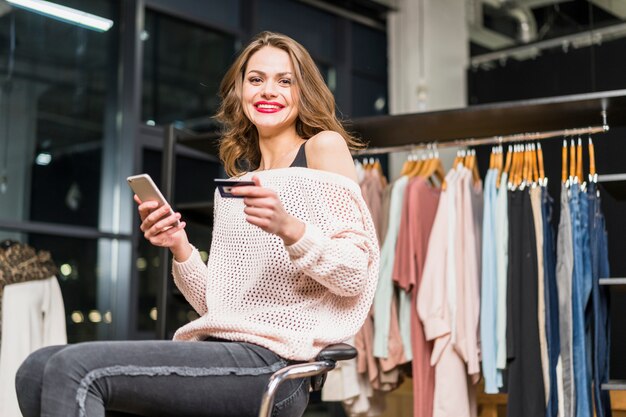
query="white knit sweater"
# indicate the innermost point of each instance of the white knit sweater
(293, 300)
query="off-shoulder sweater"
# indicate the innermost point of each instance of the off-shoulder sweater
(296, 299)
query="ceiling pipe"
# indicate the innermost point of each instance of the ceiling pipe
(523, 15)
(527, 23)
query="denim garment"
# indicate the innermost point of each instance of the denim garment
(600, 303)
(586, 292)
(154, 378)
(551, 300)
(579, 347)
(564, 267)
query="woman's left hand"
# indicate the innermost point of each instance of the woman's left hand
(265, 210)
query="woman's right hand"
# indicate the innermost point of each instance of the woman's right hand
(163, 228)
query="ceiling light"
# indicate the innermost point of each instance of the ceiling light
(43, 159)
(66, 14)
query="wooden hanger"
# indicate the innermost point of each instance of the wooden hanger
(515, 167)
(592, 162)
(533, 149)
(378, 168)
(428, 160)
(413, 163)
(542, 173)
(457, 159)
(475, 172)
(434, 169)
(526, 170)
(564, 162)
(407, 166)
(522, 165)
(579, 160)
(572, 160)
(507, 162)
(502, 165)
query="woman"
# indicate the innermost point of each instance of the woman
(292, 267)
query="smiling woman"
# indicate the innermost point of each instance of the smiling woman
(269, 95)
(273, 69)
(296, 252)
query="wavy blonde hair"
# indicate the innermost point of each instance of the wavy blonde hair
(316, 105)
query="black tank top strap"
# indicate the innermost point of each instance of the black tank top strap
(300, 159)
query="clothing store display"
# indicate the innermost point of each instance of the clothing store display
(32, 314)
(299, 272)
(487, 288)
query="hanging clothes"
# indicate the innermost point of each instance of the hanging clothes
(502, 262)
(564, 270)
(33, 315)
(384, 291)
(468, 272)
(453, 394)
(360, 383)
(416, 223)
(489, 289)
(582, 373)
(525, 378)
(535, 201)
(600, 302)
(551, 301)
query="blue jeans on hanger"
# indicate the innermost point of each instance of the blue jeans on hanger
(579, 345)
(587, 287)
(599, 302)
(551, 300)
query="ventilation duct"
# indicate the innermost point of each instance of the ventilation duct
(519, 12)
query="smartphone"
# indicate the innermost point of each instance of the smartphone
(226, 186)
(146, 189)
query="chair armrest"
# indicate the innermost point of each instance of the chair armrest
(337, 352)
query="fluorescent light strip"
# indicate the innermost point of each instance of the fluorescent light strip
(64, 13)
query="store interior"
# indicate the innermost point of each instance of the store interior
(82, 108)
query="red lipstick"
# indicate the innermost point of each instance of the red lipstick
(268, 106)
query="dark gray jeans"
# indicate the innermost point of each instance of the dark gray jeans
(154, 378)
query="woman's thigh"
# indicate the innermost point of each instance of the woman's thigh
(164, 378)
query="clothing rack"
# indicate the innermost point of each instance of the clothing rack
(492, 140)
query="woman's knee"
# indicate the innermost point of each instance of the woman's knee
(29, 379)
(32, 368)
(73, 362)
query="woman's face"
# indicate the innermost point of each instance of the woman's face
(269, 96)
